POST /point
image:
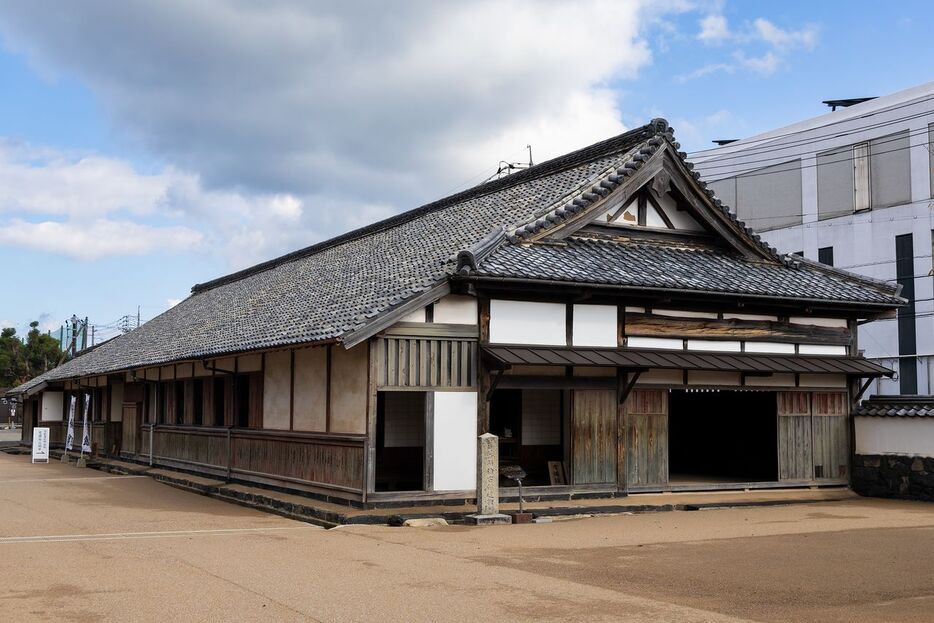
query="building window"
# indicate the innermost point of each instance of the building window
(862, 197)
(907, 340)
(825, 256)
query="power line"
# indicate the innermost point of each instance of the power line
(838, 122)
(827, 222)
(777, 160)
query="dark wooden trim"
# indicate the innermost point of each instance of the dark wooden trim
(432, 329)
(569, 323)
(515, 381)
(484, 308)
(372, 403)
(429, 450)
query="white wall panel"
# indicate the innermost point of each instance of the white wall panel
(52, 407)
(821, 349)
(455, 441)
(594, 325)
(779, 348)
(455, 309)
(719, 346)
(895, 435)
(526, 322)
(655, 342)
(822, 380)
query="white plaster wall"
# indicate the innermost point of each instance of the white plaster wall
(416, 316)
(895, 435)
(52, 408)
(594, 325)
(838, 323)
(456, 309)
(719, 346)
(525, 322)
(821, 349)
(655, 342)
(455, 441)
(770, 347)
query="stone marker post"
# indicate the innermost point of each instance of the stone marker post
(488, 483)
(488, 475)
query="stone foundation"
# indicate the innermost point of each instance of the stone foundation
(894, 476)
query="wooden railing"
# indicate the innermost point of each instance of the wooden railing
(319, 459)
(103, 436)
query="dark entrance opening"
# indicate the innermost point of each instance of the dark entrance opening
(722, 436)
(400, 441)
(530, 424)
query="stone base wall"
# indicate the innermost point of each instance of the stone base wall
(894, 476)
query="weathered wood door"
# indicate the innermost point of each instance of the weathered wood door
(795, 455)
(593, 436)
(646, 413)
(130, 428)
(830, 435)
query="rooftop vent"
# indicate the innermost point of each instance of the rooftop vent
(724, 141)
(834, 104)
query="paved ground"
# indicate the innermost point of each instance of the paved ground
(80, 545)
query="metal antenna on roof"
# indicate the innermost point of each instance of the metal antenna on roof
(505, 168)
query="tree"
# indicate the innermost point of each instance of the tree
(21, 360)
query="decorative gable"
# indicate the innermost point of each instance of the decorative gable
(655, 190)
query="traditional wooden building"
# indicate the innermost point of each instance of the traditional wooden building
(602, 313)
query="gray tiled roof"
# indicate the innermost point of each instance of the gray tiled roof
(897, 406)
(642, 264)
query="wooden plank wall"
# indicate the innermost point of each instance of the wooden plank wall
(593, 436)
(830, 435)
(130, 427)
(795, 455)
(428, 363)
(647, 416)
(317, 459)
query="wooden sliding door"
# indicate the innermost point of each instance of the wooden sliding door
(593, 436)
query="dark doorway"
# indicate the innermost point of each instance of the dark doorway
(722, 436)
(530, 425)
(400, 441)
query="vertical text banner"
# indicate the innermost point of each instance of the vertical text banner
(70, 438)
(86, 433)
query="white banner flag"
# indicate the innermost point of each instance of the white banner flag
(86, 433)
(70, 439)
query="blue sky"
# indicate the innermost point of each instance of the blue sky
(147, 147)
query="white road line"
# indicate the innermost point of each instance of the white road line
(64, 538)
(10, 482)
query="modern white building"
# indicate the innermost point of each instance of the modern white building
(852, 188)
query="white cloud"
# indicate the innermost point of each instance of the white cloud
(766, 64)
(99, 238)
(172, 302)
(780, 38)
(778, 44)
(714, 29)
(288, 122)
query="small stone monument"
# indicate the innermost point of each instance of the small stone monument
(488, 483)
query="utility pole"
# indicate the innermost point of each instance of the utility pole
(137, 316)
(92, 335)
